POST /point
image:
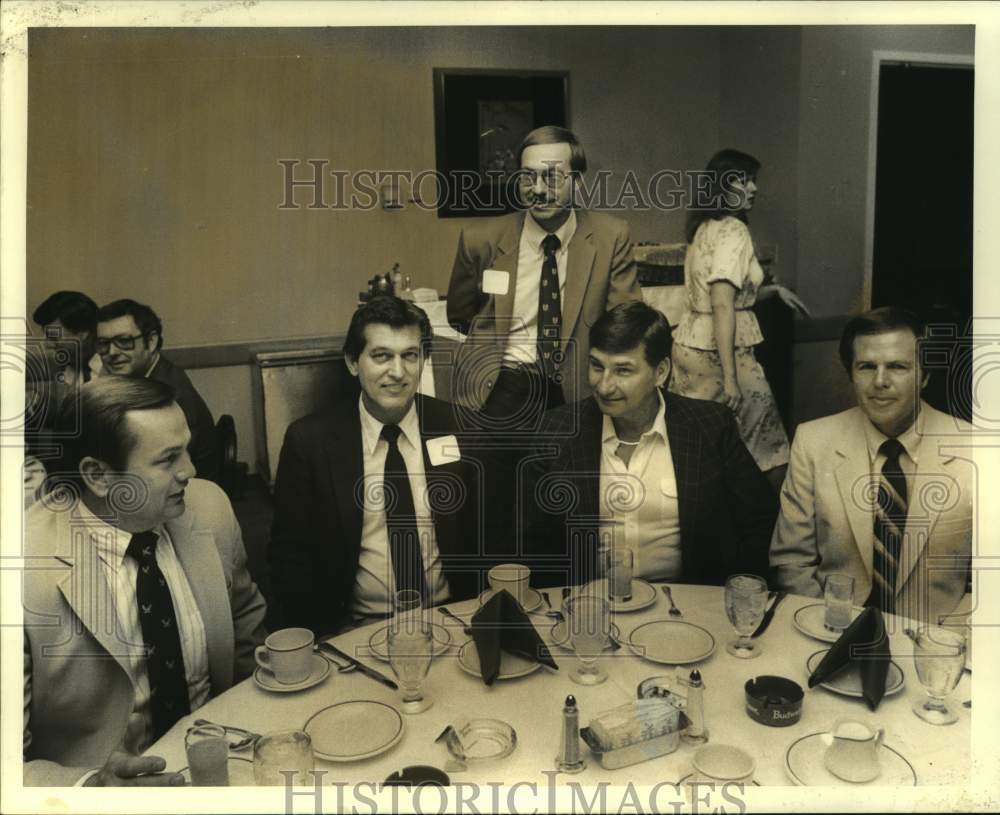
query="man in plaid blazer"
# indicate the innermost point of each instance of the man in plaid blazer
(634, 466)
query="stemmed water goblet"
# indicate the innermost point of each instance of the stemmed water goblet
(939, 657)
(411, 647)
(746, 597)
(589, 621)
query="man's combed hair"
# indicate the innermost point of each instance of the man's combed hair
(76, 311)
(627, 325)
(385, 310)
(145, 318)
(553, 134)
(94, 418)
(878, 321)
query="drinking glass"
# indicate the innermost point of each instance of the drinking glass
(283, 758)
(411, 644)
(939, 657)
(619, 571)
(207, 751)
(589, 619)
(746, 596)
(838, 595)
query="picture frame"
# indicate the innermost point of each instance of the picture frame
(480, 118)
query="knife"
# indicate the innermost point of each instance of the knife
(369, 672)
(768, 615)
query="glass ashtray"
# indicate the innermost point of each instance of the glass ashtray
(483, 740)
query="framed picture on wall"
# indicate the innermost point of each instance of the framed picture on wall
(480, 117)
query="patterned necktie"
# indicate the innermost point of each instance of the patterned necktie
(550, 356)
(401, 518)
(168, 689)
(890, 524)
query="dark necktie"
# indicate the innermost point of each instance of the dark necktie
(168, 689)
(890, 524)
(550, 356)
(401, 518)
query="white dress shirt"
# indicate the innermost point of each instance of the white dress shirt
(375, 585)
(522, 341)
(121, 571)
(639, 499)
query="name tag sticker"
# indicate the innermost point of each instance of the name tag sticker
(496, 281)
(668, 486)
(443, 450)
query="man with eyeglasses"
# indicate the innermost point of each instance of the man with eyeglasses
(526, 288)
(129, 340)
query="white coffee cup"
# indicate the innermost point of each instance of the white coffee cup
(513, 577)
(287, 654)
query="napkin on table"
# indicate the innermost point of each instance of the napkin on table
(502, 625)
(864, 643)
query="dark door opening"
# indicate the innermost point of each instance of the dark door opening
(922, 251)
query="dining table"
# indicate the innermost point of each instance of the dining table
(533, 704)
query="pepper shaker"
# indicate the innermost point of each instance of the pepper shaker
(569, 759)
(696, 733)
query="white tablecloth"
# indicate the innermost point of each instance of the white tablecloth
(533, 705)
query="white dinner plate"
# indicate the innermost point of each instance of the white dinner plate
(560, 636)
(265, 680)
(809, 620)
(512, 666)
(351, 731)
(378, 643)
(240, 772)
(847, 682)
(805, 766)
(532, 602)
(672, 642)
(694, 777)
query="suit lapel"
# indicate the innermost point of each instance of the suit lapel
(579, 266)
(685, 450)
(586, 458)
(346, 468)
(853, 475)
(505, 260)
(441, 481)
(198, 555)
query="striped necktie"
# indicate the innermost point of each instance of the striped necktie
(890, 525)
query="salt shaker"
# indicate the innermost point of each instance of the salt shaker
(696, 733)
(569, 759)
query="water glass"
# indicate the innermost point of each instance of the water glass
(838, 594)
(411, 646)
(939, 657)
(746, 597)
(283, 758)
(619, 571)
(207, 751)
(589, 620)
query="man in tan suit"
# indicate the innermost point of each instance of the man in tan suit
(883, 492)
(526, 288)
(138, 606)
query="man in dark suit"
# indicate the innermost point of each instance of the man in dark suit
(374, 496)
(526, 287)
(130, 342)
(663, 475)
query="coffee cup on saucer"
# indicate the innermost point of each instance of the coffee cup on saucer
(287, 654)
(853, 750)
(513, 577)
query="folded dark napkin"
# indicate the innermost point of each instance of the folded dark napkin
(501, 624)
(865, 644)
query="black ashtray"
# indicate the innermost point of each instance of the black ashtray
(418, 776)
(773, 700)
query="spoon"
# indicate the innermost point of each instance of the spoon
(467, 629)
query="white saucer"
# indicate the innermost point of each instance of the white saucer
(694, 777)
(643, 595)
(512, 666)
(378, 643)
(672, 642)
(533, 600)
(560, 636)
(351, 731)
(265, 680)
(240, 772)
(847, 682)
(809, 620)
(805, 766)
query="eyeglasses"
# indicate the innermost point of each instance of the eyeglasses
(123, 342)
(551, 178)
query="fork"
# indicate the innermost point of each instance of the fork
(340, 666)
(466, 629)
(674, 611)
